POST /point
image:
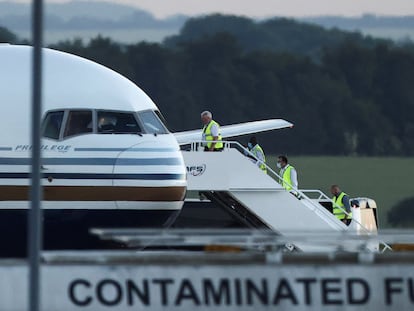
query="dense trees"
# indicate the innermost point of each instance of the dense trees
(346, 94)
(402, 214)
(276, 34)
(7, 36)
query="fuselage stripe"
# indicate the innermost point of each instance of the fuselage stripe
(96, 176)
(94, 161)
(129, 149)
(93, 193)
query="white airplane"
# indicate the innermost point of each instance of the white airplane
(108, 159)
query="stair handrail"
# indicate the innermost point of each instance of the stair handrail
(295, 191)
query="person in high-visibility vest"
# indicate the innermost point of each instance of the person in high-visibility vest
(341, 203)
(211, 133)
(258, 153)
(287, 173)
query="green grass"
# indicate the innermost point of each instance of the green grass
(386, 180)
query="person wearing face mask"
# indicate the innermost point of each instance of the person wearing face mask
(287, 173)
(258, 153)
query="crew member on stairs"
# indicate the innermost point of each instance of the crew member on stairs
(288, 174)
(259, 156)
(341, 204)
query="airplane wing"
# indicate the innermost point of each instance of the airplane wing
(239, 129)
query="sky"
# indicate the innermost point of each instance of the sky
(265, 8)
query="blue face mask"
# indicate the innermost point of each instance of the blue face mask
(249, 145)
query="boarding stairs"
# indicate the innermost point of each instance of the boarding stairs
(231, 180)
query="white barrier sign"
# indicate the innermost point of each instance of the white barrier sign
(241, 287)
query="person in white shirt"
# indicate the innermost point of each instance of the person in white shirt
(211, 136)
(258, 153)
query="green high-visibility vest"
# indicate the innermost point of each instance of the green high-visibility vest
(339, 213)
(286, 180)
(209, 136)
(256, 150)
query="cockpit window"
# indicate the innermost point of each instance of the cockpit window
(152, 124)
(79, 122)
(63, 124)
(117, 122)
(52, 124)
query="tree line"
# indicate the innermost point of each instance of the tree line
(352, 96)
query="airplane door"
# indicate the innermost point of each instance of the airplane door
(129, 178)
(150, 180)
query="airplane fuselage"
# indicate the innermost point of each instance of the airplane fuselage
(108, 160)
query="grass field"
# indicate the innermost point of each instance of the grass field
(386, 180)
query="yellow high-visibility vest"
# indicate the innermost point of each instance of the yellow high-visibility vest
(339, 213)
(209, 136)
(286, 180)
